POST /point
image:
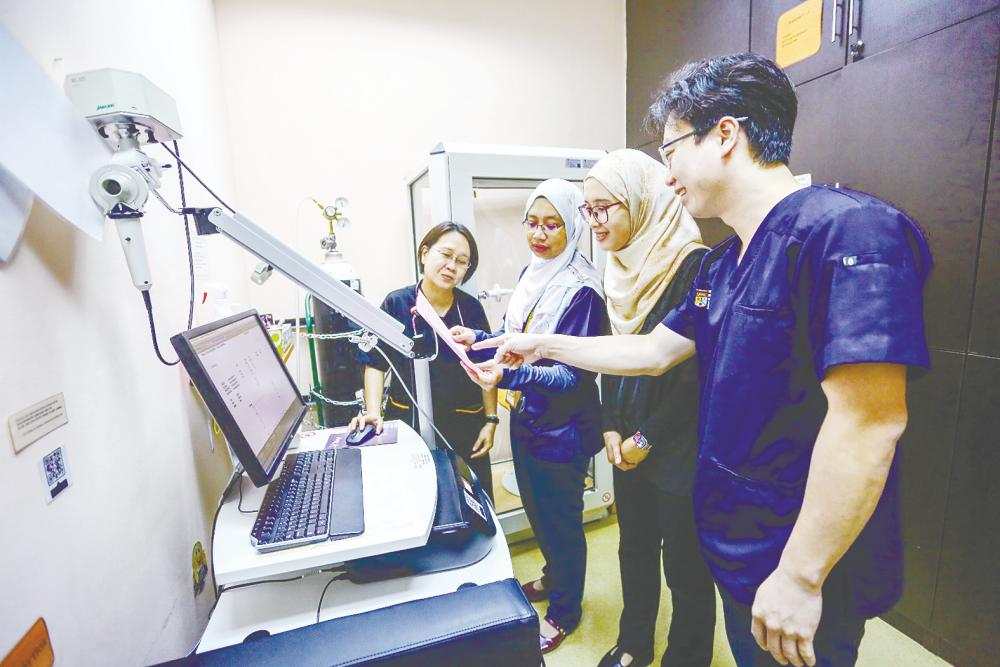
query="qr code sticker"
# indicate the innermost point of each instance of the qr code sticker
(54, 473)
(55, 467)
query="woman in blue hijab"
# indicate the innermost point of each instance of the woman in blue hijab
(555, 411)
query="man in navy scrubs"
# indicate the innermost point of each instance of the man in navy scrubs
(804, 323)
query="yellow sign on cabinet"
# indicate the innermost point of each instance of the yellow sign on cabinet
(800, 33)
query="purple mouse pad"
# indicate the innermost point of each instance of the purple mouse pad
(338, 439)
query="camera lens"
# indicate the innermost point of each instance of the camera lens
(111, 186)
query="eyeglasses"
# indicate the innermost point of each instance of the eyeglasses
(449, 257)
(548, 227)
(598, 214)
(663, 147)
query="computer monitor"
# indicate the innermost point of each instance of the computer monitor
(243, 381)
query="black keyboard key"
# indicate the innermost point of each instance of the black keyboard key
(296, 505)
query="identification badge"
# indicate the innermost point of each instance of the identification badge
(702, 297)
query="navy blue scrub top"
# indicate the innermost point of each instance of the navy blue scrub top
(560, 415)
(830, 277)
(451, 388)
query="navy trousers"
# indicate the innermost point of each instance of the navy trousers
(552, 495)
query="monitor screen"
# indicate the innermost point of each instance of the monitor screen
(247, 388)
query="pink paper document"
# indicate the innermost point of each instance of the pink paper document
(426, 311)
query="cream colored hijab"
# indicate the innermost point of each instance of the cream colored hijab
(661, 235)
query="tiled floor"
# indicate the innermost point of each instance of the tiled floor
(883, 645)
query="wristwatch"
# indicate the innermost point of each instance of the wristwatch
(492, 419)
(640, 441)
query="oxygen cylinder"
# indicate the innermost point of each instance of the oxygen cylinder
(340, 373)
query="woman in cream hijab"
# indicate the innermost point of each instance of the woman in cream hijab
(650, 423)
(555, 425)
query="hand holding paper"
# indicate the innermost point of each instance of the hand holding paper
(426, 311)
(514, 349)
(487, 374)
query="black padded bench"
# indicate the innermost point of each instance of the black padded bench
(485, 626)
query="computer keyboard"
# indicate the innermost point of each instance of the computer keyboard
(296, 507)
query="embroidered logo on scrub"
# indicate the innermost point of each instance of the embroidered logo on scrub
(702, 297)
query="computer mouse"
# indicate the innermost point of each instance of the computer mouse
(362, 435)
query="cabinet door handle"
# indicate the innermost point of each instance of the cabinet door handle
(850, 16)
(836, 10)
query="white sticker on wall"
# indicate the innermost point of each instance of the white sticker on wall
(804, 179)
(35, 422)
(55, 474)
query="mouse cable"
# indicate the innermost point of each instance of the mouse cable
(239, 505)
(319, 607)
(257, 583)
(237, 474)
(402, 383)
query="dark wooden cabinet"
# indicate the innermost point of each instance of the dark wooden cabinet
(832, 52)
(662, 36)
(926, 451)
(910, 116)
(912, 125)
(881, 24)
(985, 336)
(856, 29)
(967, 604)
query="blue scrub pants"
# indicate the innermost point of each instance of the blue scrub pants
(837, 638)
(552, 495)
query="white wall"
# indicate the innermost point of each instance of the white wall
(108, 563)
(323, 99)
(349, 97)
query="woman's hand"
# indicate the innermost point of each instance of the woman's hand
(484, 443)
(631, 454)
(487, 374)
(514, 349)
(463, 335)
(367, 418)
(613, 448)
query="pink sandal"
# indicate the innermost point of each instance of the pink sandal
(549, 644)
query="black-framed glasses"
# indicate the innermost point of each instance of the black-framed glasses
(663, 147)
(598, 214)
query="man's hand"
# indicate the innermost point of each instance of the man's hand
(854, 449)
(786, 613)
(484, 443)
(462, 335)
(632, 454)
(513, 349)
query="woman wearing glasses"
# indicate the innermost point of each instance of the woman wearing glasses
(555, 413)
(464, 414)
(650, 423)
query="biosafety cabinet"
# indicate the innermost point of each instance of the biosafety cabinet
(485, 187)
